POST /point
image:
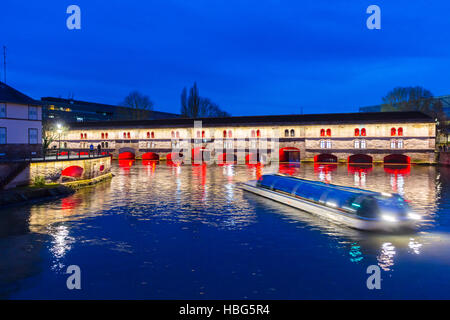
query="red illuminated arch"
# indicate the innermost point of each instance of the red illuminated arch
(289, 154)
(393, 131)
(325, 157)
(322, 132)
(400, 131)
(397, 159)
(363, 132)
(328, 132)
(356, 132)
(126, 155)
(174, 158)
(73, 171)
(360, 158)
(150, 156)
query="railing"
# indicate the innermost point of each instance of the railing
(56, 154)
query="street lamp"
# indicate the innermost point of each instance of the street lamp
(59, 130)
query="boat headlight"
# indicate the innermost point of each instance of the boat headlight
(389, 217)
(414, 216)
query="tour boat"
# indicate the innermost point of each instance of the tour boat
(354, 207)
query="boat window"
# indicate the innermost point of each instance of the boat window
(308, 191)
(368, 207)
(286, 185)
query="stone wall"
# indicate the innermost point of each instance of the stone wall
(53, 171)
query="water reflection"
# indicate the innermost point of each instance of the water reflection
(208, 197)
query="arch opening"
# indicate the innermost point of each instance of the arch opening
(150, 156)
(397, 159)
(289, 154)
(127, 155)
(360, 159)
(325, 158)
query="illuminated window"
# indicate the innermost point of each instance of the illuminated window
(393, 131)
(328, 132)
(400, 131)
(363, 132)
(81, 136)
(292, 133)
(322, 144)
(393, 144)
(356, 144)
(203, 134)
(178, 134)
(286, 133)
(106, 137)
(172, 134)
(258, 133)
(328, 144)
(153, 135)
(228, 144)
(224, 133)
(230, 134)
(128, 135)
(400, 144)
(85, 135)
(356, 132)
(125, 135)
(103, 135)
(253, 134)
(363, 144)
(322, 132)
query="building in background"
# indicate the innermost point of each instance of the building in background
(20, 124)
(69, 111)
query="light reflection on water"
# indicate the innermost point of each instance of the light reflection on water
(148, 193)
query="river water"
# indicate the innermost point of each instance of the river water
(162, 232)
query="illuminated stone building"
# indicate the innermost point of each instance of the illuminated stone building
(390, 137)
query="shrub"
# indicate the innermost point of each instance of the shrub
(39, 181)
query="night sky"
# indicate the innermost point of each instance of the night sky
(251, 57)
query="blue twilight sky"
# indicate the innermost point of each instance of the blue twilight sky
(249, 56)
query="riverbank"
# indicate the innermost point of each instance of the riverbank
(22, 195)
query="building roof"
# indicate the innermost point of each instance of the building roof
(294, 119)
(94, 107)
(10, 95)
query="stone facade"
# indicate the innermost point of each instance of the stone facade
(53, 171)
(415, 140)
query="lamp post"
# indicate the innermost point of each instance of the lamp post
(59, 130)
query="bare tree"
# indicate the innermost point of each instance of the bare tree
(140, 103)
(194, 106)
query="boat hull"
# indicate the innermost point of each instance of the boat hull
(331, 214)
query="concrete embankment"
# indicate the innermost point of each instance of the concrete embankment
(29, 194)
(22, 195)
